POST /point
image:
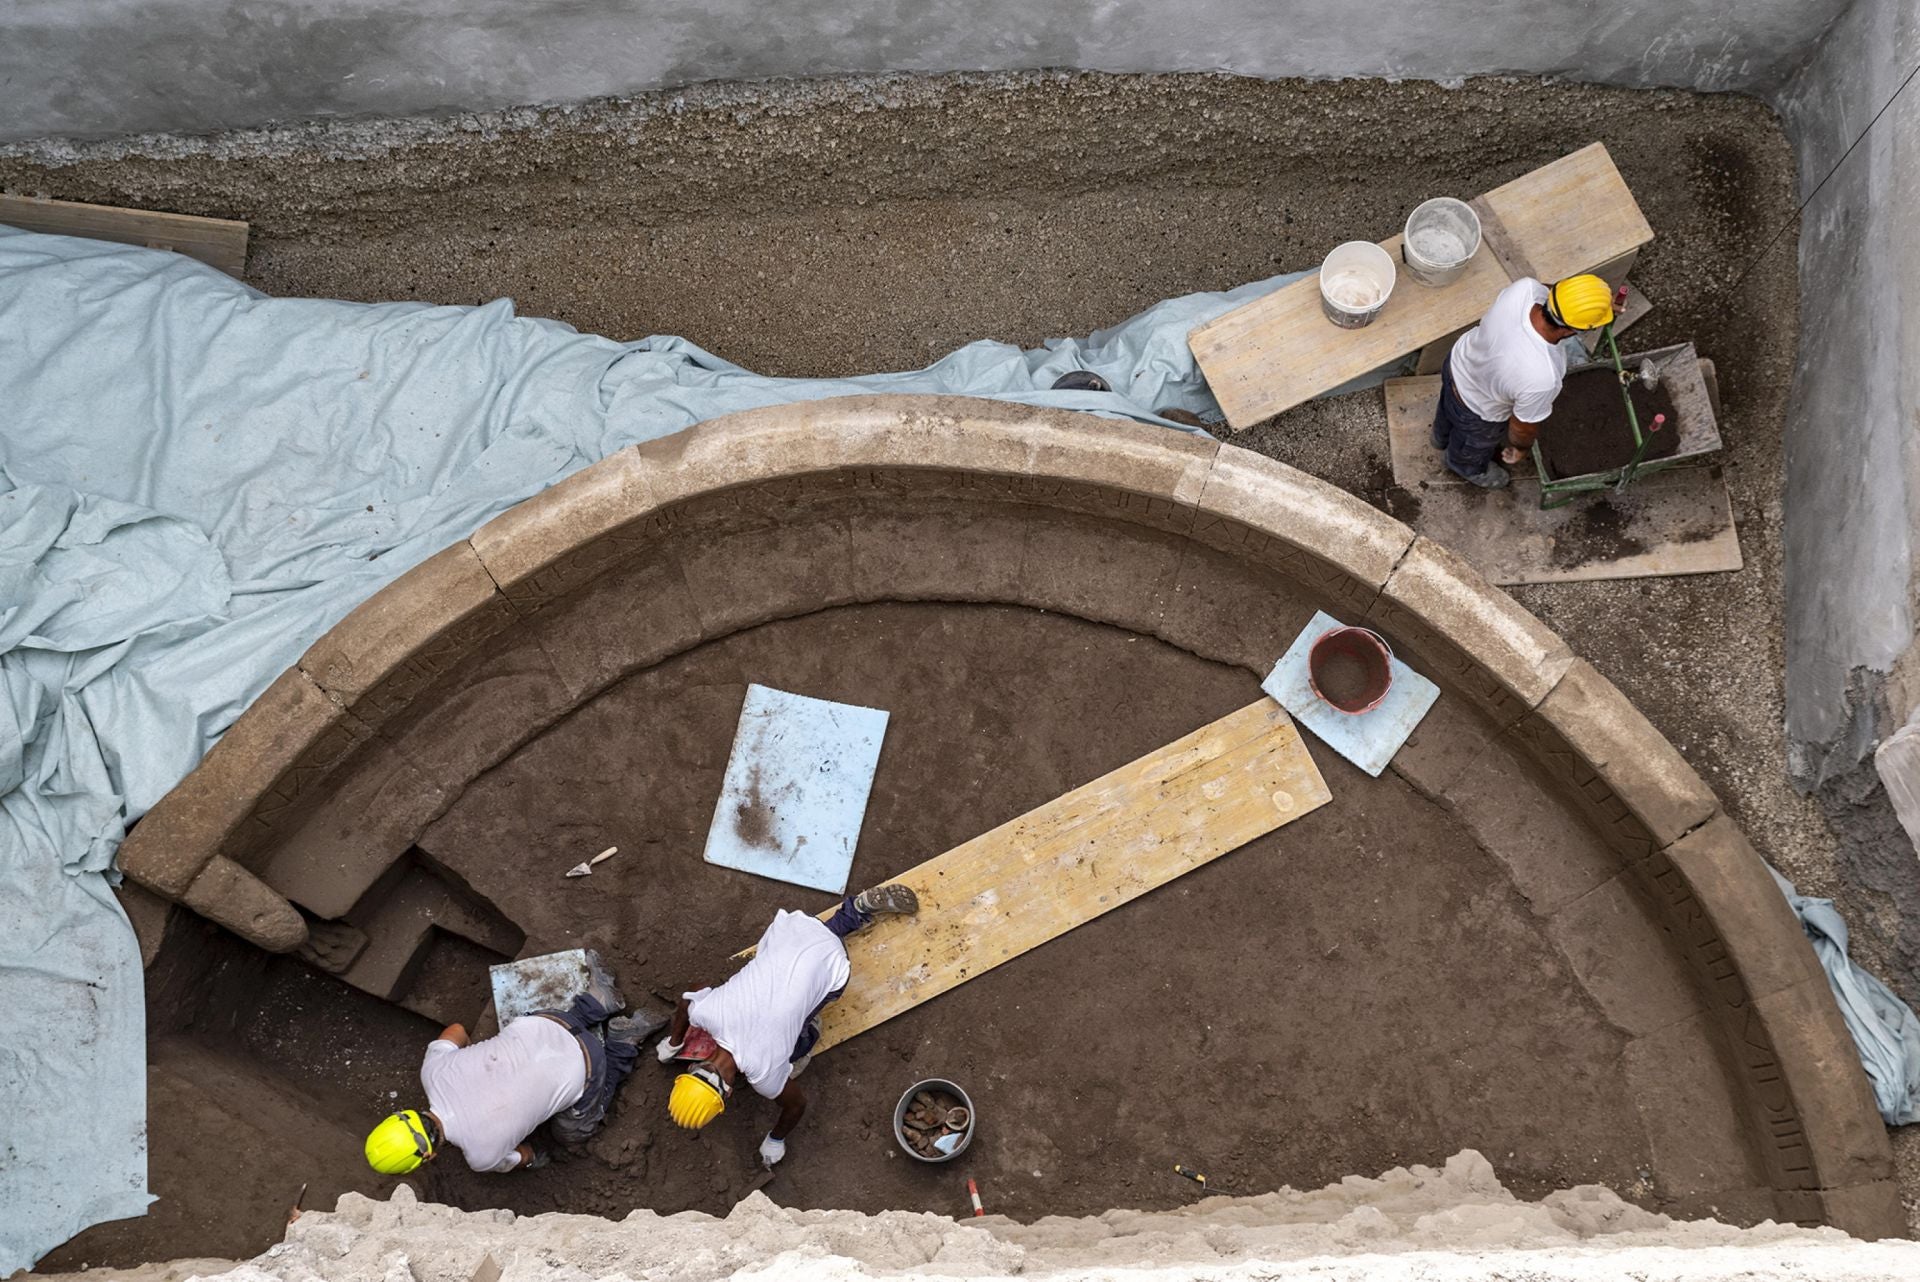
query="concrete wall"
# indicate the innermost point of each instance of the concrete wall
(91, 68)
(1852, 501)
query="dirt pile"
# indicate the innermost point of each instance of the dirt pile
(1588, 430)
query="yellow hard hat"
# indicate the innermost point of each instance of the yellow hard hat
(698, 1097)
(1581, 302)
(399, 1144)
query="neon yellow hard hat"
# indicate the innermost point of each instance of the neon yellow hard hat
(698, 1097)
(399, 1144)
(1581, 302)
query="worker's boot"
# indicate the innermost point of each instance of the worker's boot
(892, 899)
(635, 1028)
(1494, 478)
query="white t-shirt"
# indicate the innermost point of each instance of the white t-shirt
(758, 1014)
(490, 1095)
(1502, 368)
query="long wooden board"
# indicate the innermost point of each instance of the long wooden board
(1271, 354)
(1034, 878)
(217, 242)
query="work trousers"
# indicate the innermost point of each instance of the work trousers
(845, 921)
(1469, 440)
(609, 1064)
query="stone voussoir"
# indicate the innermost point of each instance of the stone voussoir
(1722, 903)
(1478, 637)
(405, 636)
(214, 809)
(1283, 504)
(1815, 1057)
(226, 893)
(1586, 714)
(544, 547)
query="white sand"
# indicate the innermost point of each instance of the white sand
(1409, 1225)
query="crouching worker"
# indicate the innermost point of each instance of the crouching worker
(765, 1021)
(487, 1098)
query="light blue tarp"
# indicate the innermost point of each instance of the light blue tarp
(196, 481)
(1885, 1030)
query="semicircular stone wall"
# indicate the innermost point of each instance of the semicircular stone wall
(785, 511)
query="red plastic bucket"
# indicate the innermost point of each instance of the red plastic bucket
(1350, 669)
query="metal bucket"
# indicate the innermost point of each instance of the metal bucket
(1440, 240)
(1363, 646)
(906, 1102)
(1355, 281)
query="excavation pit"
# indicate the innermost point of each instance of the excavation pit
(1432, 985)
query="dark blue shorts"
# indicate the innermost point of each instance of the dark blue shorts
(1469, 440)
(609, 1065)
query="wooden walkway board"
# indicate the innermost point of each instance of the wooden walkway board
(217, 242)
(1280, 349)
(1083, 854)
(1271, 354)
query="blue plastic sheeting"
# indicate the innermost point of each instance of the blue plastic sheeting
(196, 482)
(1885, 1029)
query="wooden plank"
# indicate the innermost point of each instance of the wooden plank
(1674, 522)
(1571, 216)
(217, 242)
(1081, 855)
(1280, 349)
(1268, 355)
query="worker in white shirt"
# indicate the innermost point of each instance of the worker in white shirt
(765, 1021)
(1499, 382)
(487, 1098)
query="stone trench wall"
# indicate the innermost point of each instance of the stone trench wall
(380, 694)
(202, 65)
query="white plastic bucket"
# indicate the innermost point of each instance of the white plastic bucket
(1441, 238)
(1355, 280)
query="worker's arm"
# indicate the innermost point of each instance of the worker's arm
(677, 1026)
(793, 1104)
(455, 1033)
(1520, 433)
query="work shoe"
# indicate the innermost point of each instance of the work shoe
(891, 899)
(635, 1028)
(1494, 478)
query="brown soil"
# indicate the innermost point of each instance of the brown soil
(1588, 431)
(1344, 680)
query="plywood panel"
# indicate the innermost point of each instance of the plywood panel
(1083, 854)
(1674, 522)
(217, 242)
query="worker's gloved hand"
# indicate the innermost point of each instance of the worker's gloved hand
(668, 1048)
(772, 1150)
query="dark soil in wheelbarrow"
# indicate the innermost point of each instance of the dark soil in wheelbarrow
(1588, 432)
